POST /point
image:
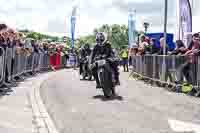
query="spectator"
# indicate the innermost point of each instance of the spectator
(52, 52)
(195, 38)
(58, 56)
(188, 69)
(180, 48)
(17, 47)
(161, 60)
(154, 48)
(73, 58)
(8, 36)
(141, 48)
(2, 41)
(3, 27)
(134, 58)
(46, 53)
(41, 48)
(194, 46)
(124, 56)
(147, 46)
(35, 46)
(194, 51)
(36, 53)
(162, 43)
(66, 53)
(132, 53)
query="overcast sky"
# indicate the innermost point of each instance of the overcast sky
(53, 16)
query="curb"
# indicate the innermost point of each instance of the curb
(41, 119)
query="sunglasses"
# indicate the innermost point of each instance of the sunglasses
(197, 39)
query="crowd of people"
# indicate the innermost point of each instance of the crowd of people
(13, 43)
(147, 46)
(186, 62)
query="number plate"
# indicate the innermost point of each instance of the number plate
(101, 62)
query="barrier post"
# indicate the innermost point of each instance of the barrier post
(2, 64)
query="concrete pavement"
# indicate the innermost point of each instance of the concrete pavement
(21, 110)
(16, 113)
(77, 107)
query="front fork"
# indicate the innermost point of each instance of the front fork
(99, 73)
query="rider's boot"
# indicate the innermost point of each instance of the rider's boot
(98, 85)
(84, 77)
(90, 78)
(113, 92)
(117, 82)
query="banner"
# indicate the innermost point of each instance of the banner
(185, 21)
(73, 21)
(131, 29)
(170, 39)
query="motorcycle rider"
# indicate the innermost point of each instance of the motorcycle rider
(103, 48)
(84, 52)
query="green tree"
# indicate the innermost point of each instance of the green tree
(39, 36)
(95, 31)
(117, 35)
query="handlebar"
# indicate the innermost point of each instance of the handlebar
(110, 59)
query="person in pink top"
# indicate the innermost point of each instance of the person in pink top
(52, 56)
(58, 57)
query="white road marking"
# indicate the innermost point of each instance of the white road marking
(180, 126)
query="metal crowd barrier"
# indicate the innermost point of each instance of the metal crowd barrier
(72, 60)
(2, 64)
(63, 61)
(45, 62)
(14, 64)
(177, 68)
(17, 69)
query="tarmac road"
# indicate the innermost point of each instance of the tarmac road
(77, 107)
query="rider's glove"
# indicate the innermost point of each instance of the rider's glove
(90, 66)
(104, 56)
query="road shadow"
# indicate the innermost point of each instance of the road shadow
(5, 92)
(87, 80)
(103, 98)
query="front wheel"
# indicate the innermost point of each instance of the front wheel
(105, 79)
(84, 73)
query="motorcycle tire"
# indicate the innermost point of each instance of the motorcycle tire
(84, 73)
(106, 82)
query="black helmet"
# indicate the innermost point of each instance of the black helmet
(100, 38)
(86, 46)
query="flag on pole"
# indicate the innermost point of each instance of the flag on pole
(185, 21)
(73, 21)
(73, 24)
(131, 28)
